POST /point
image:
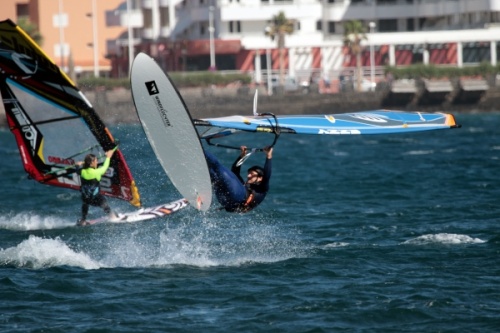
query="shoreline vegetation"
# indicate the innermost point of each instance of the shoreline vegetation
(205, 79)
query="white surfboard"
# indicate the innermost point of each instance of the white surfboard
(144, 214)
(170, 131)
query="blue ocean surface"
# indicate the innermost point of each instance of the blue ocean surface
(385, 233)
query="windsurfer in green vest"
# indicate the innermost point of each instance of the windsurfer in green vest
(91, 176)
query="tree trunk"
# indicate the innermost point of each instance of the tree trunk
(281, 47)
(359, 74)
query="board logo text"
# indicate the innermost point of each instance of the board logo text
(152, 88)
(162, 110)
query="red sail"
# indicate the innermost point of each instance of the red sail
(52, 121)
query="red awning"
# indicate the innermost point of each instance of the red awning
(202, 47)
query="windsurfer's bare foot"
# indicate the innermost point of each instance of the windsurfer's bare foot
(81, 223)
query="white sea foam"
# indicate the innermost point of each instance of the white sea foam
(216, 245)
(444, 238)
(419, 152)
(196, 241)
(36, 252)
(145, 250)
(336, 244)
(476, 129)
(340, 153)
(175, 248)
(28, 221)
(207, 242)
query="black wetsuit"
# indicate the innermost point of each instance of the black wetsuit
(255, 192)
(230, 188)
(90, 181)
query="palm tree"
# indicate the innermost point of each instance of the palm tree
(31, 29)
(278, 28)
(354, 33)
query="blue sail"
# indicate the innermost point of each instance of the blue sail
(355, 123)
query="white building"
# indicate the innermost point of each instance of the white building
(178, 33)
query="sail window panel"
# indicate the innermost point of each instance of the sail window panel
(64, 137)
(38, 108)
(67, 142)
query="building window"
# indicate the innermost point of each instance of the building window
(148, 18)
(388, 25)
(164, 18)
(22, 10)
(331, 27)
(421, 23)
(319, 25)
(234, 26)
(476, 52)
(410, 24)
(495, 17)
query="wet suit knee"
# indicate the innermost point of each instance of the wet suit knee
(228, 189)
(104, 205)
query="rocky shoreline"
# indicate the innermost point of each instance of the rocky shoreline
(116, 106)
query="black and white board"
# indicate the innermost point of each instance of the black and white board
(144, 214)
(170, 131)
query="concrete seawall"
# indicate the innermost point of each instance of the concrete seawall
(116, 106)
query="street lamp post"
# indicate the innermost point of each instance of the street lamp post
(211, 30)
(130, 36)
(61, 22)
(372, 55)
(94, 37)
(269, 78)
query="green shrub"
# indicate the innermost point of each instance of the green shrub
(91, 83)
(180, 79)
(432, 71)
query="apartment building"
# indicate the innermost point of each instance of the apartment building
(187, 35)
(72, 31)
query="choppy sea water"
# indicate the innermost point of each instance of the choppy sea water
(396, 233)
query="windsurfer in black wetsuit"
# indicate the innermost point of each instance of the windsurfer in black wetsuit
(232, 192)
